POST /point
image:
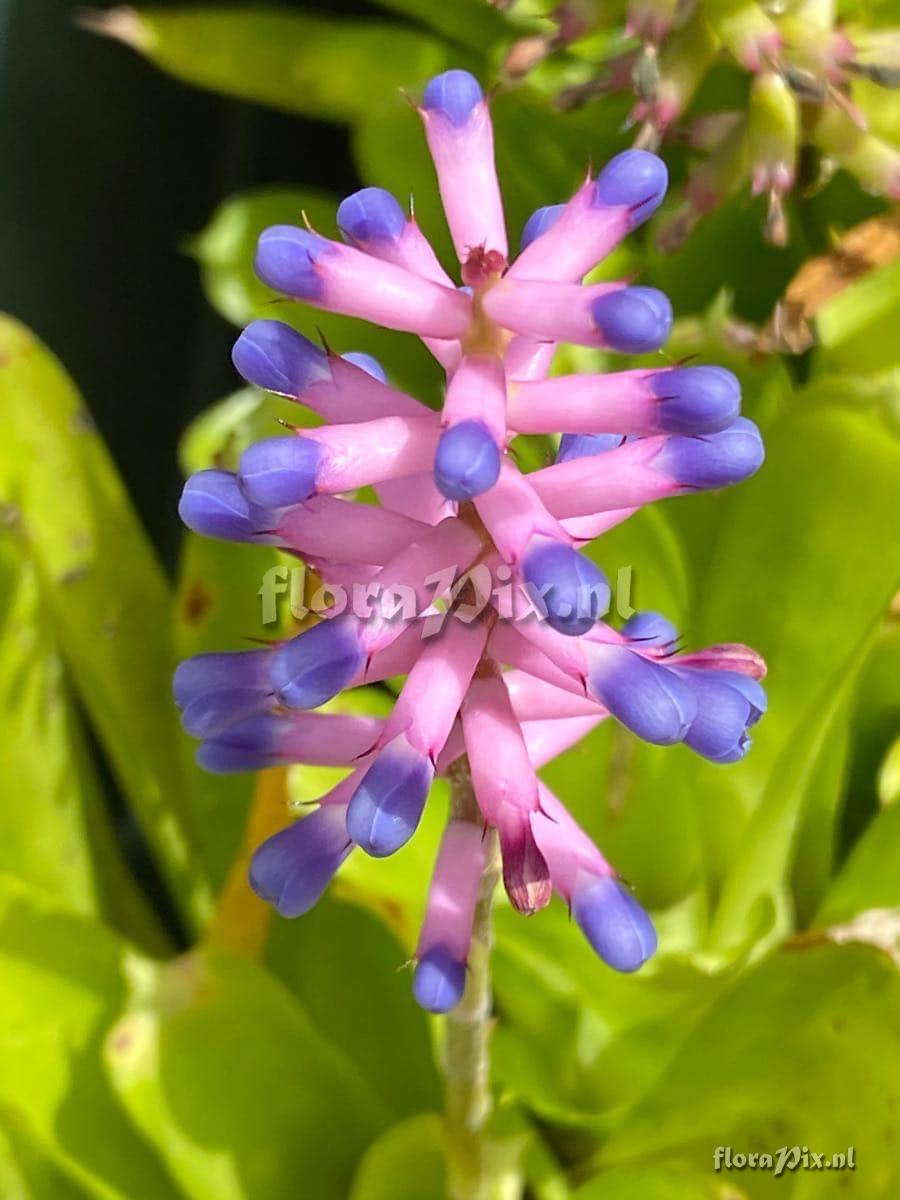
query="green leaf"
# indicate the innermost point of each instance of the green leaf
(828, 547)
(346, 970)
(470, 23)
(578, 1042)
(227, 1077)
(107, 598)
(406, 1163)
(874, 296)
(334, 70)
(873, 728)
(28, 1173)
(869, 878)
(792, 1031)
(60, 987)
(889, 775)
(225, 252)
(753, 903)
(43, 836)
(656, 1183)
(57, 835)
(817, 837)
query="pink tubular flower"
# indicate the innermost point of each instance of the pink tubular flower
(447, 929)
(467, 577)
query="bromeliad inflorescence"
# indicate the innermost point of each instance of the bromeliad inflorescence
(508, 661)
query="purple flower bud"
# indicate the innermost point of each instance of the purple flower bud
(647, 698)
(292, 869)
(213, 504)
(439, 981)
(286, 258)
(583, 445)
(367, 363)
(205, 674)
(634, 178)
(613, 922)
(540, 221)
(215, 691)
(651, 629)
(752, 691)
(277, 358)
(210, 715)
(571, 588)
(313, 667)
(277, 472)
(713, 460)
(467, 461)
(634, 320)
(454, 94)
(386, 808)
(697, 400)
(246, 745)
(371, 214)
(728, 703)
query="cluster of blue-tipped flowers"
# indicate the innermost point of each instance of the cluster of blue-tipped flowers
(505, 677)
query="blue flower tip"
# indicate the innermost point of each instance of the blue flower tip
(467, 461)
(655, 703)
(367, 363)
(696, 400)
(633, 320)
(454, 94)
(617, 927)
(386, 808)
(572, 589)
(314, 666)
(208, 674)
(211, 714)
(714, 460)
(439, 981)
(277, 358)
(371, 214)
(635, 178)
(539, 222)
(728, 704)
(650, 628)
(583, 445)
(220, 758)
(293, 867)
(286, 258)
(281, 471)
(213, 504)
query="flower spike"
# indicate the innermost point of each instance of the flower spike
(461, 570)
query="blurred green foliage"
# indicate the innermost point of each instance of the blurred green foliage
(221, 1055)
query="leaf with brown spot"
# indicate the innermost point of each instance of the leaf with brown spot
(864, 248)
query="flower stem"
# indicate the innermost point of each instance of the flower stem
(466, 1057)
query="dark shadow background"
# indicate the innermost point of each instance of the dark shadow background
(106, 166)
